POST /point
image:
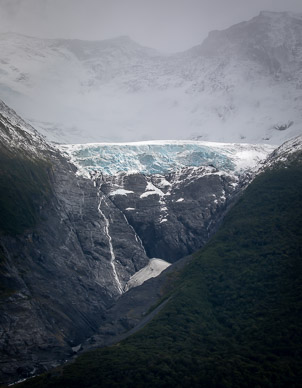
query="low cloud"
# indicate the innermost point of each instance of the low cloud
(168, 25)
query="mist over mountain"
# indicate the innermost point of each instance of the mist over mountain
(242, 84)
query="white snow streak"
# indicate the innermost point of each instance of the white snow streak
(121, 192)
(137, 238)
(152, 190)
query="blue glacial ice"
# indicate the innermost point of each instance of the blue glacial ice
(160, 157)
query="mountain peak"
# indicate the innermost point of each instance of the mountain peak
(278, 15)
(272, 14)
(124, 38)
(265, 32)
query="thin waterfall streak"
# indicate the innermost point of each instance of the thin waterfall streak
(112, 260)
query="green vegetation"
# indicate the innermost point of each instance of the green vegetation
(24, 186)
(235, 316)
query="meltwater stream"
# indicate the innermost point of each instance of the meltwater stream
(107, 234)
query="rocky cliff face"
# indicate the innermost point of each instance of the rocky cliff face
(80, 240)
(173, 214)
(60, 274)
(173, 193)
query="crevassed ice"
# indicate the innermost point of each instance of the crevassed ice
(158, 157)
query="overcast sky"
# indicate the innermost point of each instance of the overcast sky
(167, 25)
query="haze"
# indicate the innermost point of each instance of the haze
(167, 25)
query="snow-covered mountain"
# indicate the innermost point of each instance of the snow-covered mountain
(20, 137)
(243, 84)
(286, 153)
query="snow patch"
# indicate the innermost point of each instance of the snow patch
(152, 269)
(151, 190)
(121, 192)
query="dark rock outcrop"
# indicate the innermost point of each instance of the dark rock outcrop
(174, 215)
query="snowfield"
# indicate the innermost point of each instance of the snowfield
(243, 84)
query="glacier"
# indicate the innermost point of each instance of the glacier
(160, 157)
